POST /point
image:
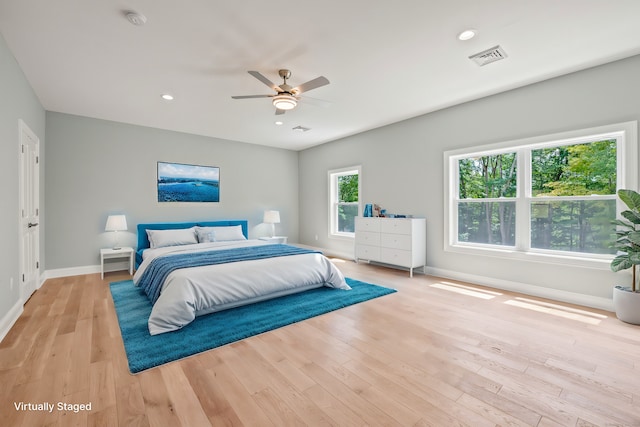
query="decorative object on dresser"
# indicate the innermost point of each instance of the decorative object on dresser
(372, 210)
(116, 223)
(394, 241)
(273, 218)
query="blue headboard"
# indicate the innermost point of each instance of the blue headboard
(143, 239)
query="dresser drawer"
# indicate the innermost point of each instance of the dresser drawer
(396, 257)
(367, 238)
(367, 224)
(371, 253)
(395, 241)
(396, 226)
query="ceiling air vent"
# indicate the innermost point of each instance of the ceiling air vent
(488, 56)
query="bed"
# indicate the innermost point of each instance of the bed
(191, 269)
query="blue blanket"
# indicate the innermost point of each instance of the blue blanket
(157, 271)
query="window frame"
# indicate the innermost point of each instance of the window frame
(627, 177)
(334, 203)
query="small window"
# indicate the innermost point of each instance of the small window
(573, 201)
(487, 207)
(344, 195)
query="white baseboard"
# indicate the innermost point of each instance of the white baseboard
(71, 271)
(10, 318)
(327, 252)
(525, 288)
(87, 269)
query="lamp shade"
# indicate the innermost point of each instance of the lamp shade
(271, 217)
(285, 102)
(116, 223)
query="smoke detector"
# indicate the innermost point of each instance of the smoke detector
(488, 56)
(136, 18)
(300, 129)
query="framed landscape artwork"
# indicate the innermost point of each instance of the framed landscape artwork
(179, 182)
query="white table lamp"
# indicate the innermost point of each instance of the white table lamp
(273, 218)
(116, 223)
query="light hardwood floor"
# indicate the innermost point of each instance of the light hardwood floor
(436, 353)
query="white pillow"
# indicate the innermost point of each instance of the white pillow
(205, 234)
(220, 234)
(162, 238)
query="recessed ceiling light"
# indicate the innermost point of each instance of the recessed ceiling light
(167, 96)
(467, 35)
(279, 123)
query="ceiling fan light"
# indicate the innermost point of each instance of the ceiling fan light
(285, 102)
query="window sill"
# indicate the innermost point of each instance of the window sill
(594, 262)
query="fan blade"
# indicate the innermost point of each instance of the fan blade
(312, 84)
(252, 96)
(265, 80)
(279, 112)
(314, 101)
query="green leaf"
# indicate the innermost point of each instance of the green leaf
(634, 237)
(622, 235)
(621, 262)
(631, 216)
(621, 223)
(630, 198)
(622, 245)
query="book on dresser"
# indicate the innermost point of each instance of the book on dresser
(398, 242)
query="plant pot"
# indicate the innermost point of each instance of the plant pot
(627, 305)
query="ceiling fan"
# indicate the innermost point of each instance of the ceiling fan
(286, 97)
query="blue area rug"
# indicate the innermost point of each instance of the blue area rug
(214, 330)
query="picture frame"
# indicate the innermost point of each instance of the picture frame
(180, 182)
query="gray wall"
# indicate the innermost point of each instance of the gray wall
(18, 101)
(96, 167)
(402, 165)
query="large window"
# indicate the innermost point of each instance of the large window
(553, 195)
(344, 194)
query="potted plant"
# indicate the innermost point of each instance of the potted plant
(626, 300)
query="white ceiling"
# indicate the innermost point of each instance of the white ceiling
(386, 60)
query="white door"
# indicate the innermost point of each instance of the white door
(29, 212)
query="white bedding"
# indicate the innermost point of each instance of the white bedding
(195, 291)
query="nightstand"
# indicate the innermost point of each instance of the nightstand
(110, 253)
(275, 239)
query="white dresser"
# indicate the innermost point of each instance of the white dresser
(395, 241)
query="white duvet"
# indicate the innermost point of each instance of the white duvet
(195, 291)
